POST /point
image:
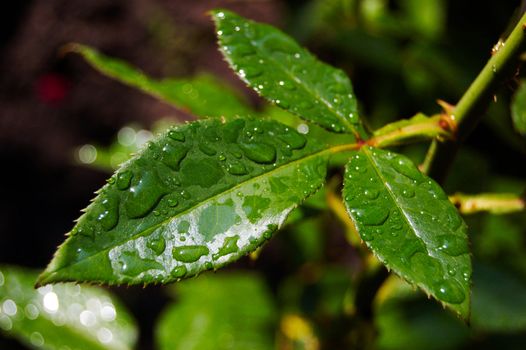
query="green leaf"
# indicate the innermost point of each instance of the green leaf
(196, 198)
(62, 316)
(518, 109)
(203, 95)
(410, 225)
(499, 300)
(229, 311)
(280, 70)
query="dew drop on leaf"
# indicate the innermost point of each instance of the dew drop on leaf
(371, 194)
(237, 168)
(229, 247)
(173, 155)
(179, 271)
(131, 264)
(294, 139)
(145, 195)
(109, 216)
(449, 291)
(259, 152)
(405, 167)
(207, 149)
(176, 135)
(124, 180)
(452, 245)
(373, 216)
(189, 253)
(157, 244)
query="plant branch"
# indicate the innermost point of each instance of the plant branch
(469, 110)
(495, 203)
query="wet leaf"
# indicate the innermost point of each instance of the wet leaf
(410, 225)
(229, 311)
(196, 198)
(203, 95)
(518, 109)
(62, 316)
(280, 70)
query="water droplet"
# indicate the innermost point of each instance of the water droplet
(434, 189)
(173, 202)
(124, 179)
(173, 155)
(250, 72)
(452, 217)
(145, 195)
(207, 149)
(259, 152)
(185, 194)
(237, 168)
(157, 244)
(287, 85)
(229, 247)
(131, 264)
(449, 291)
(405, 167)
(183, 227)
(294, 139)
(179, 271)
(366, 235)
(176, 135)
(283, 104)
(189, 253)
(108, 212)
(452, 245)
(371, 194)
(408, 192)
(359, 169)
(201, 173)
(242, 49)
(372, 215)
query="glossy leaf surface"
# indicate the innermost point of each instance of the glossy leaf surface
(518, 109)
(226, 311)
(203, 95)
(199, 196)
(410, 225)
(62, 316)
(280, 70)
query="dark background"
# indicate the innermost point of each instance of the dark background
(50, 104)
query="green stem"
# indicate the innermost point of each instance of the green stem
(469, 110)
(495, 203)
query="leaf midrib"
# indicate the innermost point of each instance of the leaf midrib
(301, 83)
(392, 194)
(209, 199)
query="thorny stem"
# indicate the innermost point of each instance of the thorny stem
(436, 127)
(469, 110)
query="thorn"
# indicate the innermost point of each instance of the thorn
(446, 106)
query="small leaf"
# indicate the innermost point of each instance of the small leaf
(231, 311)
(410, 225)
(62, 316)
(203, 95)
(198, 197)
(518, 109)
(280, 70)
